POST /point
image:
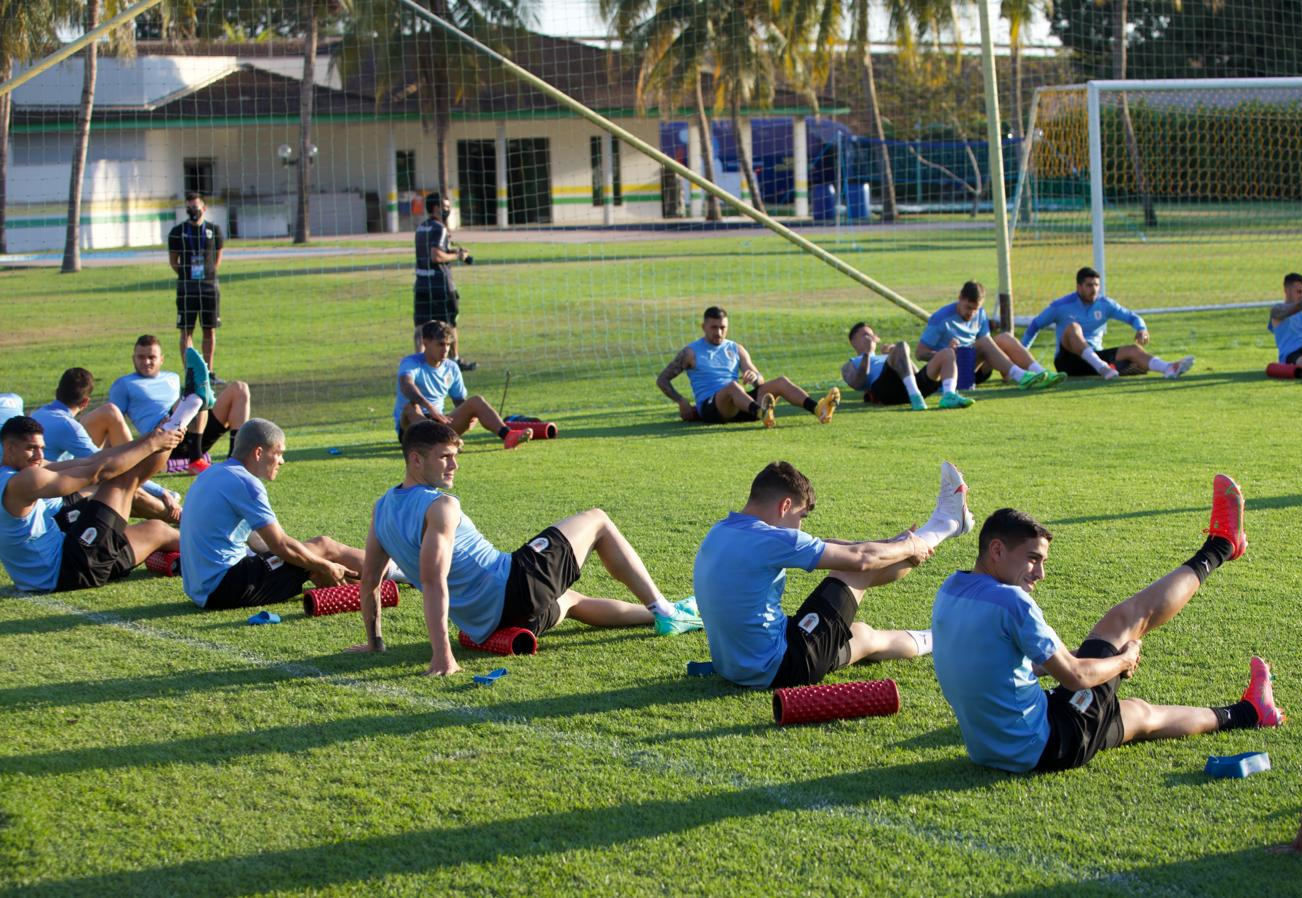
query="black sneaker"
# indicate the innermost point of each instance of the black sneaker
(215, 380)
(466, 366)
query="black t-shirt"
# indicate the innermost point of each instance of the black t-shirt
(432, 234)
(198, 243)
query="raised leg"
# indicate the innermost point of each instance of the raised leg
(106, 426)
(593, 530)
(233, 405)
(781, 386)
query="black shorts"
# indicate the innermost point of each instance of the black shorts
(888, 388)
(1291, 358)
(983, 372)
(818, 636)
(95, 546)
(541, 571)
(436, 304)
(257, 580)
(200, 300)
(1075, 366)
(1075, 736)
(709, 412)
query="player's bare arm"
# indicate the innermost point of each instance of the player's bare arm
(872, 555)
(1085, 673)
(374, 564)
(435, 561)
(284, 546)
(1283, 310)
(747, 370)
(684, 360)
(407, 383)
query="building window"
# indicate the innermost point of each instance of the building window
(594, 148)
(199, 177)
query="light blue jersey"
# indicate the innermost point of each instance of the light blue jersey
(31, 547)
(64, 436)
(477, 577)
(224, 505)
(876, 365)
(1288, 335)
(947, 324)
(10, 404)
(146, 401)
(1092, 318)
(986, 635)
(714, 369)
(739, 577)
(435, 383)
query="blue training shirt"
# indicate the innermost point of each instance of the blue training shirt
(31, 547)
(986, 635)
(224, 505)
(477, 576)
(64, 435)
(876, 365)
(1288, 335)
(1092, 318)
(146, 401)
(714, 369)
(435, 383)
(739, 576)
(946, 324)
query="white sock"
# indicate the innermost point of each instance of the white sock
(911, 385)
(1092, 357)
(184, 413)
(1156, 364)
(393, 572)
(1015, 373)
(922, 639)
(948, 384)
(661, 607)
(937, 530)
(1035, 368)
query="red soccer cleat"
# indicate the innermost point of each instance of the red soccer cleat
(514, 438)
(1261, 696)
(1227, 514)
(197, 467)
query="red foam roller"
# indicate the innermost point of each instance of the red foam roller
(164, 564)
(338, 599)
(542, 430)
(835, 701)
(506, 641)
(1283, 370)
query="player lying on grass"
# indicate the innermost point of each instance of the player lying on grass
(1286, 323)
(148, 395)
(234, 553)
(992, 642)
(1081, 321)
(49, 542)
(463, 578)
(428, 377)
(719, 371)
(740, 574)
(893, 379)
(66, 437)
(964, 323)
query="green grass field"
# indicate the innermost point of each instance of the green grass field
(148, 749)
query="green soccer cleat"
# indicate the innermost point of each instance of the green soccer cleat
(954, 400)
(1031, 379)
(680, 621)
(1051, 379)
(196, 378)
(917, 403)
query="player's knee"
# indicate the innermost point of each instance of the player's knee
(945, 355)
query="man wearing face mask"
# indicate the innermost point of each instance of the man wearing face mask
(194, 249)
(436, 297)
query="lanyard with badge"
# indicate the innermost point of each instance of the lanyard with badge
(196, 257)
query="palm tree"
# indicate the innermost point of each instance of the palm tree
(1018, 13)
(81, 144)
(1120, 25)
(747, 44)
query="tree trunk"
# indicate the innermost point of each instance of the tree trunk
(306, 96)
(712, 210)
(743, 158)
(72, 241)
(442, 88)
(1119, 19)
(6, 71)
(862, 40)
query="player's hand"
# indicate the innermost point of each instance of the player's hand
(749, 377)
(1130, 656)
(171, 509)
(166, 439)
(953, 344)
(687, 411)
(331, 574)
(461, 254)
(921, 549)
(1141, 337)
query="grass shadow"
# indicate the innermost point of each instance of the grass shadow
(1252, 504)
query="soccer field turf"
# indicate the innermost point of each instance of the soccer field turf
(149, 749)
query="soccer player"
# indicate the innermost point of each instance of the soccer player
(992, 641)
(893, 379)
(714, 365)
(1081, 321)
(1286, 323)
(436, 297)
(194, 250)
(147, 396)
(964, 323)
(49, 542)
(740, 574)
(428, 377)
(462, 577)
(224, 506)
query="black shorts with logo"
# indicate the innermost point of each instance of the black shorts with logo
(95, 545)
(201, 300)
(1081, 728)
(818, 635)
(888, 388)
(709, 412)
(1075, 366)
(257, 580)
(435, 303)
(541, 571)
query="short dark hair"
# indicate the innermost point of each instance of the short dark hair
(973, 290)
(1012, 528)
(781, 480)
(1292, 278)
(147, 340)
(20, 426)
(193, 195)
(716, 312)
(75, 387)
(854, 329)
(435, 330)
(433, 201)
(425, 435)
(1084, 273)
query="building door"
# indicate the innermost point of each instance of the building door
(477, 175)
(529, 181)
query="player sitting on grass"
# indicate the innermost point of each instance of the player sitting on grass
(740, 573)
(428, 377)
(992, 642)
(893, 379)
(481, 589)
(49, 542)
(715, 364)
(66, 437)
(148, 395)
(1286, 323)
(964, 323)
(226, 507)
(1081, 321)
